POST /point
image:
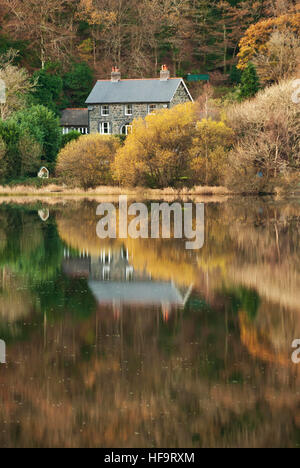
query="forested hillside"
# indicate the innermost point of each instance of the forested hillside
(136, 35)
(242, 131)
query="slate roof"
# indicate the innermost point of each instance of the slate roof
(134, 91)
(143, 293)
(75, 118)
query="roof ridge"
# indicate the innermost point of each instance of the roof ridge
(143, 79)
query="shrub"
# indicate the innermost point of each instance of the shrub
(10, 134)
(21, 153)
(2, 158)
(30, 155)
(268, 145)
(210, 151)
(43, 126)
(249, 82)
(73, 135)
(86, 162)
(156, 153)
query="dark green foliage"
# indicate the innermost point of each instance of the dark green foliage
(56, 90)
(22, 152)
(10, 134)
(73, 135)
(77, 84)
(245, 299)
(49, 88)
(43, 125)
(235, 76)
(250, 82)
(21, 46)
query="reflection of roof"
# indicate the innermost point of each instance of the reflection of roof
(135, 91)
(75, 118)
(142, 292)
(77, 267)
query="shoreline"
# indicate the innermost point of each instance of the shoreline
(53, 193)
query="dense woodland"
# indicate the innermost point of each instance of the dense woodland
(136, 35)
(52, 52)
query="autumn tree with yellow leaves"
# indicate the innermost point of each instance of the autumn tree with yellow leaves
(156, 154)
(209, 151)
(87, 161)
(171, 148)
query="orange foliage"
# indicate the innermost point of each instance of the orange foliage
(259, 34)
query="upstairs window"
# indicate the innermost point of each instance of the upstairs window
(105, 128)
(104, 110)
(128, 109)
(152, 108)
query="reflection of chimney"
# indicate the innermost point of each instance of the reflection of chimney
(115, 75)
(164, 73)
(166, 310)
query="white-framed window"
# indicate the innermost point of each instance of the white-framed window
(106, 257)
(106, 273)
(104, 110)
(128, 109)
(83, 130)
(105, 128)
(126, 129)
(152, 108)
(129, 273)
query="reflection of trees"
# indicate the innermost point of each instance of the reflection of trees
(267, 237)
(216, 374)
(164, 259)
(31, 280)
(138, 382)
(33, 248)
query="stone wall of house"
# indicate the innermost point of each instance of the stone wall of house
(181, 96)
(117, 117)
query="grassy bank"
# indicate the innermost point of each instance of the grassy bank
(53, 190)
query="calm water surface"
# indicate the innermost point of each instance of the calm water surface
(140, 343)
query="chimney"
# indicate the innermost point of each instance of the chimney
(164, 73)
(115, 75)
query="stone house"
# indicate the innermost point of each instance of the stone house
(113, 280)
(74, 119)
(114, 104)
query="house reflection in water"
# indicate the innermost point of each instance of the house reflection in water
(114, 281)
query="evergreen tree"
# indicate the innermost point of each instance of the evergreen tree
(250, 82)
(48, 91)
(77, 84)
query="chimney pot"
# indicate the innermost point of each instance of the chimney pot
(115, 75)
(164, 73)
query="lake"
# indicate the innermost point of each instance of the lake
(142, 343)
